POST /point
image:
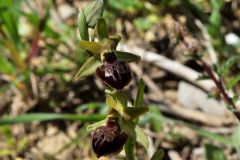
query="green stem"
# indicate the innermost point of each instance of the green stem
(129, 149)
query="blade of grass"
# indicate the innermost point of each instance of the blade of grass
(6, 66)
(139, 98)
(205, 133)
(30, 117)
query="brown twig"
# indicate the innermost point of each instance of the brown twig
(219, 84)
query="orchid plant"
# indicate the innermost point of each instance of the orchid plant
(120, 128)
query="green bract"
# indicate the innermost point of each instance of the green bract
(135, 132)
(102, 30)
(83, 27)
(93, 47)
(88, 68)
(93, 11)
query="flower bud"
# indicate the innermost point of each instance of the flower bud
(108, 139)
(115, 73)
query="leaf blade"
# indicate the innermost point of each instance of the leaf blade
(93, 11)
(88, 68)
(102, 30)
(127, 57)
(214, 153)
(6, 67)
(30, 117)
(141, 137)
(82, 25)
(93, 47)
(140, 92)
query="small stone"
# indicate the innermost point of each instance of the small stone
(194, 98)
(66, 11)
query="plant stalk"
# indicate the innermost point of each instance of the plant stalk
(129, 149)
(218, 82)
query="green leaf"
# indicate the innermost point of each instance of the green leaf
(156, 118)
(33, 17)
(141, 137)
(5, 152)
(102, 30)
(127, 57)
(129, 127)
(93, 47)
(132, 113)
(9, 19)
(210, 135)
(96, 125)
(7, 135)
(135, 132)
(158, 155)
(217, 4)
(118, 102)
(21, 144)
(195, 10)
(30, 117)
(233, 81)
(146, 23)
(88, 68)
(140, 92)
(6, 67)
(215, 18)
(82, 25)
(126, 5)
(214, 152)
(138, 108)
(93, 11)
(224, 69)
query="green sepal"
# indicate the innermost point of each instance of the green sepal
(102, 29)
(88, 68)
(213, 152)
(132, 113)
(93, 47)
(82, 25)
(118, 102)
(127, 57)
(93, 11)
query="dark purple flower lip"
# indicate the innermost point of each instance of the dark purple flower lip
(116, 74)
(108, 139)
(110, 57)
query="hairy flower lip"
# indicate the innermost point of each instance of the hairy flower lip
(108, 139)
(116, 74)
